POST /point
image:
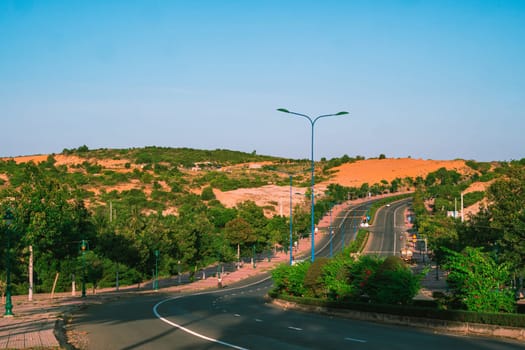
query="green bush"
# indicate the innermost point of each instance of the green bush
(478, 282)
(335, 277)
(313, 281)
(207, 194)
(393, 283)
(361, 272)
(290, 279)
(508, 320)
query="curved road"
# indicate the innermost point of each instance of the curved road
(239, 317)
(388, 227)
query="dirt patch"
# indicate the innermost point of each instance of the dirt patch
(268, 196)
(372, 171)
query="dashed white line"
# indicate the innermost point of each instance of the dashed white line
(295, 328)
(356, 340)
(189, 331)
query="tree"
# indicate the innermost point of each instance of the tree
(53, 222)
(507, 210)
(278, 231)
(239, 231)
(478, 282)
(254, 215)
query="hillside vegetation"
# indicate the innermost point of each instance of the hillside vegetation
(130, 204)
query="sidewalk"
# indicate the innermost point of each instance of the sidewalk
(38, 324)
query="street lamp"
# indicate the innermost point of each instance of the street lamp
(156, 283)
(83, 247)
(331, 206)
(178, 271)
(8, 218)
(291, 223)
(312, 123)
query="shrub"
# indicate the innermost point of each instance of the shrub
(360, 274)
(478, 282)
(336, 276)
(313, 281)
(290, 279)
(393, 283)
(207, 194)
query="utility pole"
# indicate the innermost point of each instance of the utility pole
(462, 215)
(30, 293)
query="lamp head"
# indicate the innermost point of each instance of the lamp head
(342, 113)
(284, 110)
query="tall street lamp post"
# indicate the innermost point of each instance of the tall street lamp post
(156, 282)
(331, 205)
(291, 223)
(8, 218)
(312, 123)
(83, 247)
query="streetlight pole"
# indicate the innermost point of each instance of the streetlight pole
(312, 123)
(343, 235)
(156, 283)
(291, 223)
(83, 247)
(8, 217)
(331, 205)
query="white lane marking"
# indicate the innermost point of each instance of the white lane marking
(258, 320)
(356, 340)
(295, 328)
(236, 315)
(189, 331)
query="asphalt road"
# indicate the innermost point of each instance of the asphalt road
(239, 317)
(387, 229)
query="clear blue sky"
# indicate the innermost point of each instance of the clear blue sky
(427, 79)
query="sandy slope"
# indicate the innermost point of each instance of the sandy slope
(276, 199)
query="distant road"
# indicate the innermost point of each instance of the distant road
(387, 229)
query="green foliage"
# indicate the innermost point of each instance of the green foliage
(393, 283)
(313, 281)
(358, 244)
(239, 231)
(361, 272)
(507, 215)
(478, 282)
(188, 157)
(335, 162)
(509, 320)
(290, 279)
(278, 232)
(482, 167)
(207, 193)
(387, 281)
(336, 277)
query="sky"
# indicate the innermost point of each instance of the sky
(423, 79)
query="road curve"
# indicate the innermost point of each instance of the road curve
(240, 317)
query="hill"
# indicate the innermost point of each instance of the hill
(235, 176)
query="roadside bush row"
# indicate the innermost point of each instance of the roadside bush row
(499, 319)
